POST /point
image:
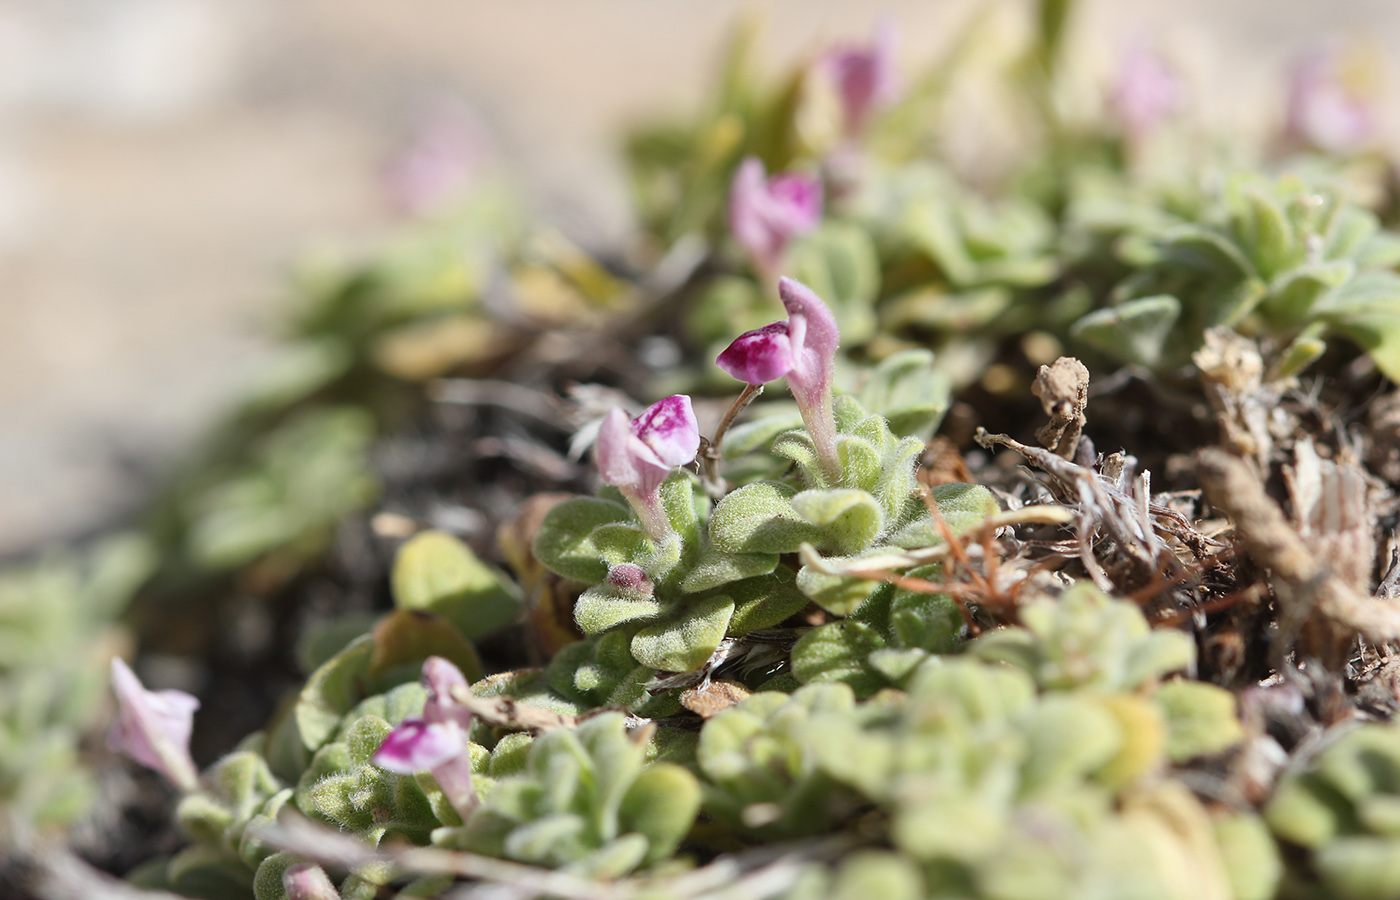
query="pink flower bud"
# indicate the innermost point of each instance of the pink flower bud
(630, 581)
(305, 881)
(865, 77)
(1328, 105)
(765, 214)
(153, 727)
(1146, 92)
(802, 348)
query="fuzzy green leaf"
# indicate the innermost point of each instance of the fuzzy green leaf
(1201, 719)
(1134, 332)
(437, 572)
(848, 519)
(687, 640)
(661, 805)
(837, 652)
(759, 518)
(764, 601)
(563, 541)
(716, 567)
(599, 608)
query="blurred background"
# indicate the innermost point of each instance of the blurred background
(164, 164)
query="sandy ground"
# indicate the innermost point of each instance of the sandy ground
(163, 163)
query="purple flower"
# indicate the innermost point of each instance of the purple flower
(153, 727)
(864, 76)
(436, 742)
(636, 455)
(802, 348)
(765, 214)
(1328, 105)
(1145, 93)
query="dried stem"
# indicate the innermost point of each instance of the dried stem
(1321, 607)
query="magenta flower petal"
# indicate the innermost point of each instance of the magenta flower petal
(419, 746)
(811, 328)
(440, 677)
(668, 428)
(617, 460)
(153, 727)
(766, 214)
(758, 356)
(865, 77)
(640, 453)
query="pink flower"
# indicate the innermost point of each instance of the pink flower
(153, 727)
(644, 450)
(447, 150)
(865, 77)
(1328, 110)
(637, 455)
(765, 214)
(802, 348)
(1145, 93)
(437, 742)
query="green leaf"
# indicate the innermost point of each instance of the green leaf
(848, 519)
(752, 435)
(1134, 332)
(600, 608)
(686, 641)
(837, 653)
(839, 261)
(764, 601)
(403, 639)
(839, 595)
(716, 567)
(1201, 719)
(860, 462)
(564, 543)
(1367, 310)
(661, 805)
(437, 572)
(909, 390)
(1274, 246)
(759, 518)
(1291, 300)
(332, 690)
(1207, 250)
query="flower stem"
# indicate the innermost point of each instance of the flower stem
(647, 506)
(821, 427)
(714, 484)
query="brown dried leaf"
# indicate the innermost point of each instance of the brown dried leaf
(706, 700)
